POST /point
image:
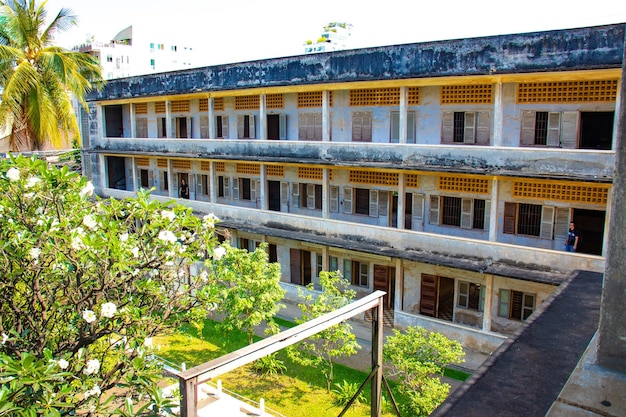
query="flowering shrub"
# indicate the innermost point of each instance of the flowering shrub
(86, 283)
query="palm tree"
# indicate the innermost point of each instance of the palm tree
(38, 79)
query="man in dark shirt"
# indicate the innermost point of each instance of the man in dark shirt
(573, 237)
(184, 190)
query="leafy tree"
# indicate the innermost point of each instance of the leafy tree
(86, 283)
(38, 79)
(321, 349)
(250, 290)
(418, 357)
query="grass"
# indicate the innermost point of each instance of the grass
(299, 391)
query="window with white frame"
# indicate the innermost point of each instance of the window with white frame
(466, 127)
(529, 219)
(245, 126)
(395, 127)
(361, 126)
(471, 296)
(466, 213)
(516, 305)
(356, 272)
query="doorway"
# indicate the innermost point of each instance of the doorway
(596, 130)
(182, 176)
(590, 224)
(181, 127)
(273, 127)
(385, 280)
(273, 195)
(437, 297)
(113, 121)
(300, 265)
(116, 170)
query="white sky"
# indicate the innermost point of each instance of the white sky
(228, 31)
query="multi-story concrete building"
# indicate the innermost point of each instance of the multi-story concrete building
(444, 173)
(335, 37)
(138, 50)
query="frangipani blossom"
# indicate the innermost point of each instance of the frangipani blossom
(168, 214)
(167, 236)
(87, 190)
(93, 366)
(13, 174)
(135, 251)
(35, 252)
(108, 310)
(89, 316)
(123, 237)
(219, 253)
(63, 364)
(90, 222)
(31, 182)
(95, 391)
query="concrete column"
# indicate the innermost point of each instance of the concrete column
(397, 301)
(493, 214)
(101, 122)
(213, 183)
(498, 112)
(488, 308)
(171, 184)
(168, 120)
(326, 194)
(325, 258)
(133, 125)
(403, 118)
(263, 181)
(212, 130)
(618, 110)
(326, 116)
(133, 174)
(607, 220)
(262, 118)
(612, 329)
(401, 200)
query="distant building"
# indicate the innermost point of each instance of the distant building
(336, 37)
(135, 51)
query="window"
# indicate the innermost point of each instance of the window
(516, 305)
(525, 219)
(152, 45)
(273, 253)
(109, 58)
(471, 296)
(395, 127)
(221, 126)
(223, 186)
(466, 127)
(202, 184)
(152, 64)
(165, 184)
(362, 201)
(355, 272)
(333, 263)
(466, 213)
(318, 264)
(361, 126)
(244, 188)
(307, 196)
(310, 126)
(540, 128)
(173, 47)
(245, 126)
(144, 175)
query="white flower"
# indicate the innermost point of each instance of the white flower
(87, 189)
(147, 342)
(89, 221)
(39, 222)
(167, 214)
(77, 243)
(63, 364)
(29, 196)
(135, 251)
(167, 236)
(210, 219)
(89, 316)
(108, 310)
(35, 252)
(93, 366)
(95, 391)
(218, 253)
(5, 337)
(13, 174)
(123, 237)
(31, 182)
(204, 276)
(54, 226)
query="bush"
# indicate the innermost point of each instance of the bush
(269, 365)
(345, 391)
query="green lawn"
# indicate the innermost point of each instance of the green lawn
(301, 391)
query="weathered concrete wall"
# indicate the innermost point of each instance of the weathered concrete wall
(582, 165)
(559, 50)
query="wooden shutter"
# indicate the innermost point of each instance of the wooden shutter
(373, 203)
(150, 179)
(310, 196)
(226, 187)
(410, 128)
(236, 188)
(383, 203)
(434, 210)
(303, 119)
(240, 125)
(504, 303)
(467, 210)
(361, 126)
(198, 180)
(347, 200)
(554, 129)
(561, 225)
(189, 127)
(295, 194)
(174, 128)
(469, 133)
(317, 126)
(141, 127)
(295, 263)
(547, 222)
(510, 211)
(447, 127)
(418, 210)
(161, 127)
(483, 128)
(395, 127)
(204, 127)
(254, 186)
(225, 127)
(569, 130)
(527, 136)
(284, 192)
(282, 126)
(487, 214)
(334, 198)
(428, 295)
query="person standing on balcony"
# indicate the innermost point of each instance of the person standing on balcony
(573, 237)
(183, 192)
